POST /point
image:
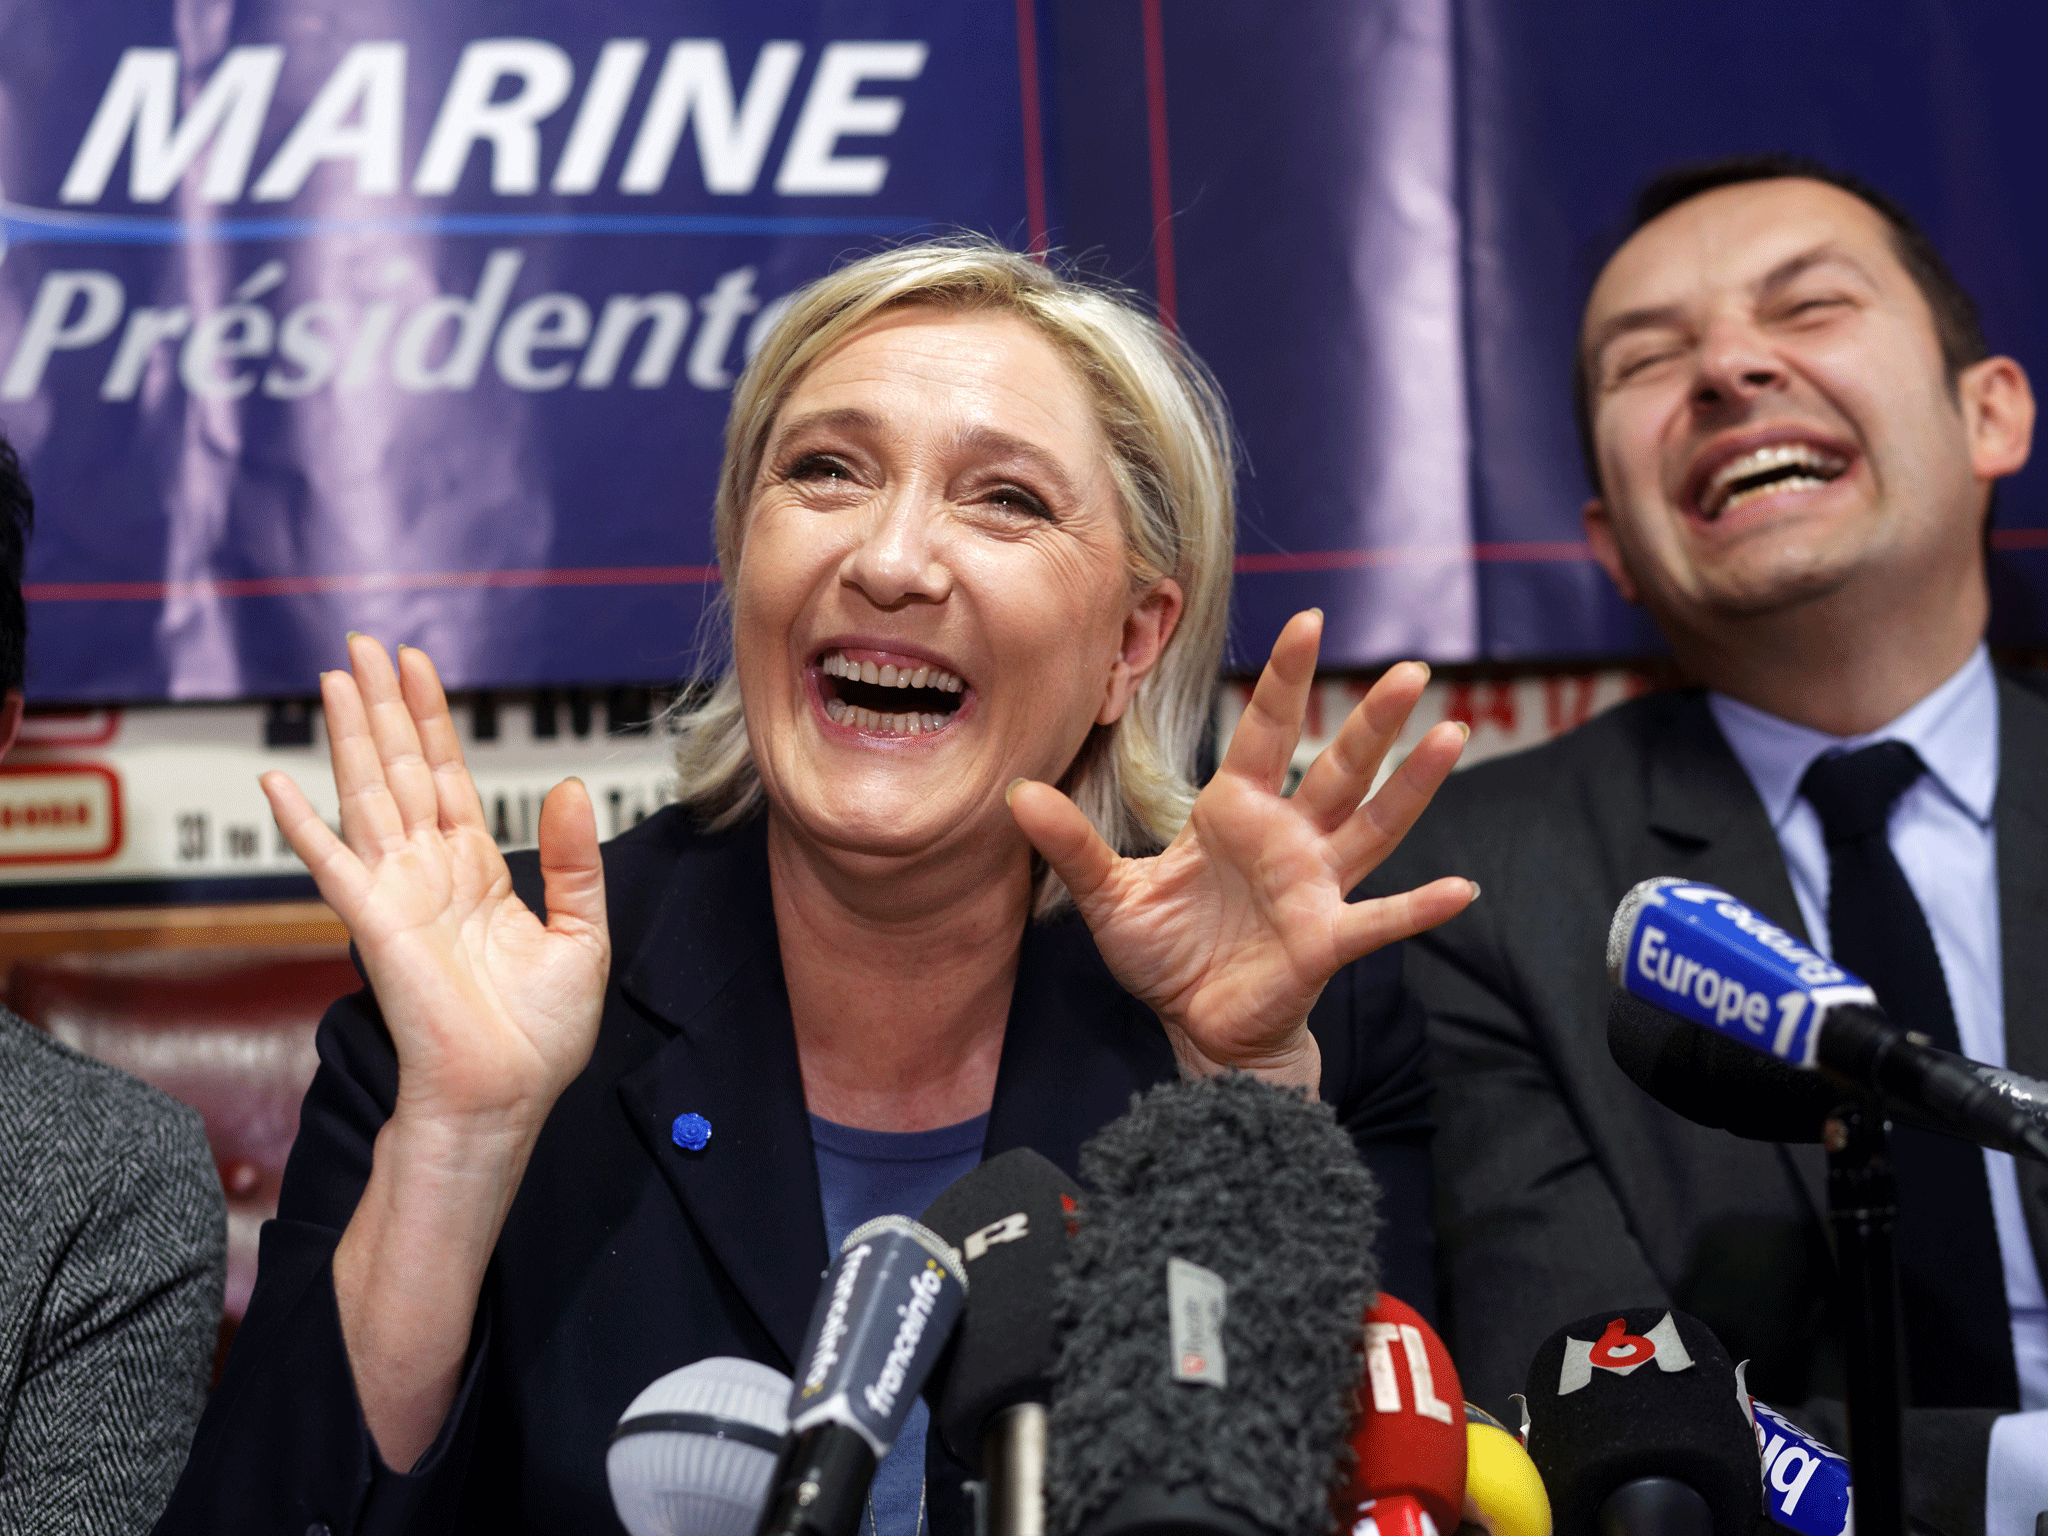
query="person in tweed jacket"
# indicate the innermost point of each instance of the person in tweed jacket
(113, 1239)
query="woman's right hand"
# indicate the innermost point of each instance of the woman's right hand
(492, 1011)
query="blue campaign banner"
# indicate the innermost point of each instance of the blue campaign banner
(419, 318)
(1379, 219)
(1566, 108)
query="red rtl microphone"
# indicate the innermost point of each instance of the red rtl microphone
(1410, 1438)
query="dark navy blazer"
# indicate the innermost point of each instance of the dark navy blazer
(625, 1256)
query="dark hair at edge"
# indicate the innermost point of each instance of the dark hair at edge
(17, 521)
(1956, 325)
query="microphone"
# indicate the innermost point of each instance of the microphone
(1697, 952)
(882, 1316)
(1504, 1495)
(1710, 1080)
(693, 1452)
(1209, 1319)
(1806, 1485)
(1008, 1218)
(1410, 1439)
(1637, 1424)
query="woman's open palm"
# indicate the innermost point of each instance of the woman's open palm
(492, 1011)
(1232, 931)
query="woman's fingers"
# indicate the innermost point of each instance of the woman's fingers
(1342, 773)
(1371, 831)
(1371, 925)
(406, 775)
(572, 869)
(1263, 743)
(454, 790)
(336, 871)
(1065, 838)
(370, 820)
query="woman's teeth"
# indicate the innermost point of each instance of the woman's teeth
(888, 675)
(842, 713)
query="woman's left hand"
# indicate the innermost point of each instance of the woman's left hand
(1232, 931)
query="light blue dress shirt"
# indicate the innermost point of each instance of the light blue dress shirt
(1942, 835)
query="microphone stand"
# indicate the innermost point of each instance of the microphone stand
(1863, 1202)
(1013, 1455)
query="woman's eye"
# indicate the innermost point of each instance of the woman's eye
(818, 466)
(1017, 499)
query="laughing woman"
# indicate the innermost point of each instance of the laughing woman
(937, 885)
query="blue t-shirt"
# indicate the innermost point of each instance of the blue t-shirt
(865, 1174)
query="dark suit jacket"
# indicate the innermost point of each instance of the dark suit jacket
(1562, 1188)
(625, 1256)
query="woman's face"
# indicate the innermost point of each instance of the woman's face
(932, 598)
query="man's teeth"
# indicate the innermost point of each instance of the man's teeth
(907, 724)
(1721, 493)
(889, 675)
(1789, 483)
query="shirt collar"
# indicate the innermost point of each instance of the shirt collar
(1953, 729)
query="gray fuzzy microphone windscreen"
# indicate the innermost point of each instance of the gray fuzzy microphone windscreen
(1249, 1205)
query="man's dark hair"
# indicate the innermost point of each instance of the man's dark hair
(17, 519)
(1956, 325)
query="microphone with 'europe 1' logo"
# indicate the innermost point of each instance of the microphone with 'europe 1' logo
(1411, 1439)
(882, 1316)
(1695, 951)
(1639, 1426)
(989, 1394)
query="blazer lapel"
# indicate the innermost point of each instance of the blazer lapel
(1702, 800)
(1704, 806)
(709, 966)
(2022, 831)
(1076, 1048)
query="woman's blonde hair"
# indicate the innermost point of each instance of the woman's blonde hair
(1171, 461)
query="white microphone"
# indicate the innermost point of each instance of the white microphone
(694, 1452)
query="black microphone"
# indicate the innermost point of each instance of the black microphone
(1697, 952)
(1711, 1081)
(882, 1316)
(1008, 1218)
(1638, 1426)
(1209, 1357)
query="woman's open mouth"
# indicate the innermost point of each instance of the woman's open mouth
(890, 698)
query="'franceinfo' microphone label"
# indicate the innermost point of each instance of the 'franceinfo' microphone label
(1696, 951)
(889, 1301)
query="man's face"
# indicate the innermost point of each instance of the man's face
(1771, 415)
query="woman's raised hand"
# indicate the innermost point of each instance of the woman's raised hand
(1232, 931)
(492, 1011)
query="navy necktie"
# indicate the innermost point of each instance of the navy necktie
(1951, 1280)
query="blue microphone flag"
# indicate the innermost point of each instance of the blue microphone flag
(1696, 951)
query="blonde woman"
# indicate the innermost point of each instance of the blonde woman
(938, 885)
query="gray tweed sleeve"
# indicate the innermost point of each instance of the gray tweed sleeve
(112, 1255)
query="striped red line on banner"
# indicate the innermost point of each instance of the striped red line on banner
(1162, 177)
(1358, 559)
(1560, 551)
(1034, 141)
